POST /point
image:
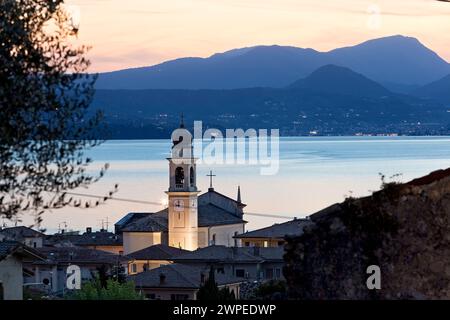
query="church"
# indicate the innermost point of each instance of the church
(191, 220)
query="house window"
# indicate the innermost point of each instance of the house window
(277, 273)
(240, 273)
(134, 268)
(213, 240)
(179, 297)
(247, 244)
(269, 273)
(34, 244)
(266, 244)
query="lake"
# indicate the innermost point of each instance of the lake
(314, 172)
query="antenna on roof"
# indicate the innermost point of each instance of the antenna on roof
(182, 121)
(61, 230)
(16, 221)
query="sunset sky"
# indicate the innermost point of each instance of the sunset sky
(136, 33)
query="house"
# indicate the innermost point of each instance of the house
(273, 236)
(152, 257)
(12, 254)
(99, 240)
(252, 264)
(192, 220)
(179, 282)
(24, 235)
(52, 272)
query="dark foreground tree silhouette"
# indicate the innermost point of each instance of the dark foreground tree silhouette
(209, 291)
(44, 96)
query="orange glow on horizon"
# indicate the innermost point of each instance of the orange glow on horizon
(146, 32)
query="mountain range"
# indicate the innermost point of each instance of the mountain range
(333, 79)
(397, 62)
(387, 85)
(332, 100)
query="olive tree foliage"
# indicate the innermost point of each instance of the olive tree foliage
(45, 126)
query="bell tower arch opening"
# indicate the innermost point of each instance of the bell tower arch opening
(182, 193)
(192, 177)
(179, 178)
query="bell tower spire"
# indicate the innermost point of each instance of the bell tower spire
(182, 193)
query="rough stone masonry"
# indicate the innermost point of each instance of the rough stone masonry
(403, 228)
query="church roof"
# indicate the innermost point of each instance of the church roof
(129, 218)
(178, 276)
(212, 191)
(278, 230)
(157, 252)
(210, 213)
(151, 222)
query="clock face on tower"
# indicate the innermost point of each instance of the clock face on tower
(178, 205)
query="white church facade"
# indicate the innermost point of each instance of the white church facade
(191, 220)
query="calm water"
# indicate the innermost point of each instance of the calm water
(314, 173)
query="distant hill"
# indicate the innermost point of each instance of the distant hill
(340, 80)
(397, 60)
(330, 101)
(438, 90)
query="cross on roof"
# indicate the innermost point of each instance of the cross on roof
(210, 175)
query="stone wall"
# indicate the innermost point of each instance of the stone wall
(404, 229)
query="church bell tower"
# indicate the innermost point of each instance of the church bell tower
(182, 193)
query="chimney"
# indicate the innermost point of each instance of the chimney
(162, 278)
(88, 230)
(239, 195)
